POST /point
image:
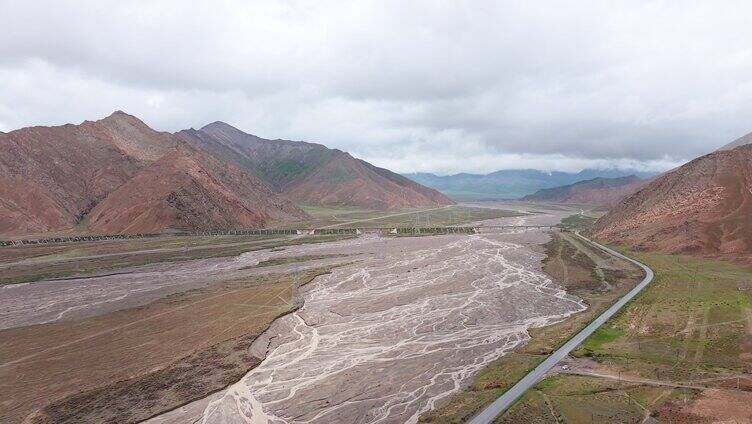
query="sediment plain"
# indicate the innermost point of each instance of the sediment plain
(387, 338)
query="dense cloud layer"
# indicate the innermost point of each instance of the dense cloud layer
(416, 86)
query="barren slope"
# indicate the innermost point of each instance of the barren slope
(277, 162)
(704, 206)
(189, 190)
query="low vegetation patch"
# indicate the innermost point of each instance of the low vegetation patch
(577, 222)
(604, 334)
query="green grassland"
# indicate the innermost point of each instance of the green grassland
(577, 399)
(690, 329)
(690, 323)
(453, 215)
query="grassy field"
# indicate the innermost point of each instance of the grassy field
(586, 272)
(680, 352)
(128, 365)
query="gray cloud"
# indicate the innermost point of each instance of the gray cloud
(424, 86)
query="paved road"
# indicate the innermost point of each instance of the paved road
(506, 400)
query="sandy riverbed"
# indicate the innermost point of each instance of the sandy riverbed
(383, 340)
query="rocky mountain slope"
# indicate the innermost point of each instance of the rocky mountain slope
(598, 191)
(117, 175)
(704, 206)
(312, 173)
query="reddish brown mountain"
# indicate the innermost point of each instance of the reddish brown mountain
(704, 206)
(312, 173)
(597, 191)
(50, 177)
(121, 176)
(189, 190)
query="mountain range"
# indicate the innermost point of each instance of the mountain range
(511, 183)
(310, 173)
(117, 175)
(598, 191)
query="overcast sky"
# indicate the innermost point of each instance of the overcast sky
(414, 86)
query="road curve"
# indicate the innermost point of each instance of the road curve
(487, 415)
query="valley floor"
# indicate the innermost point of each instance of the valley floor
(123, 330)
(342, 329)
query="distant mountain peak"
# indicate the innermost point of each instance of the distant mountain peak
(119, 116)
(135, 138)
(223, 128)
(512, 183)
(230, 135)
(218, 125)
